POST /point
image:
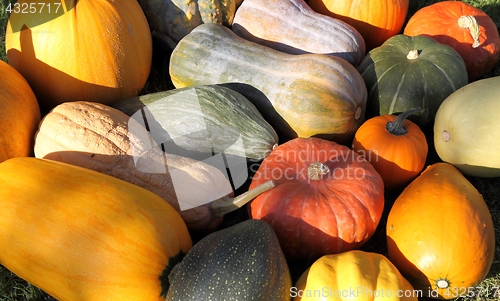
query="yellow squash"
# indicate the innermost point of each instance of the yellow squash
(440, 233)
(353, 275)
(81, 235)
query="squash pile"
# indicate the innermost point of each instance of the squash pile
(303, 150)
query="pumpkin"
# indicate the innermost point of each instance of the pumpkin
(394, 145)
(241, 262)
(327, 199)
(299, 95)
(376, 20)
(428, 226)
(411, 72)
(356, 274)
(96, 50)
(20, 114)
(186, 117)
(292, 26)
(81, 235)
(467, 129)
(467, 29)
(171, 20)
(104, 139)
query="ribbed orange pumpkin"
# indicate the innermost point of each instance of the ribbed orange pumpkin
(376, 20)
(20, 114)
(98, 50)
(467, 29)
(327, 199)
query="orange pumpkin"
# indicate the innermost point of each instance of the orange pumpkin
(467, 29)
(20, 114)
(98, 50)
(327, 199)
(394, 145)
(440, 234)
(376, 20)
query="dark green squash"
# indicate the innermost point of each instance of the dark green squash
(411, 72)
(186, 117)
(242, 262)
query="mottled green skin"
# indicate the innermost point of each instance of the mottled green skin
(397, 84)
(239, 263)
(173, 19)
(188, 116)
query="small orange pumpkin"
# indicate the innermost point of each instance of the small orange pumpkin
(394, 145)
(96, 50)
(20, 114)
(467, 29)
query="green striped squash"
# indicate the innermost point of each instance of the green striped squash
(411, 72)
(186, 117)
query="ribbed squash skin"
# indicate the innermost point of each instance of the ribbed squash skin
(81, 235)
(187, 116)
(96, 50)
(299, 95)
(173, 19)
(397, 83)
(104, 139)
(20, 114)
(440, 233)
(239, 263)
(369, 276)
(292, 26)
(467, 128)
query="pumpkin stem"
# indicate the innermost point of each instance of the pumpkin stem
(396, 127)
(317, 170)
(225, 205)
(413, 54)
(470, 23)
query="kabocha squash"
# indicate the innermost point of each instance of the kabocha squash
(98, 50)
(241, 262)
(299, 95)
(20, 114)
(292, 26)
(188, 116)
(428, 226)
(394, 145)
(411, 72)
(81, 235)
(467, 129)
(171, 20)
(355, 274)
(467, 29)
(327, 199)
(376, 20)
(104, 139)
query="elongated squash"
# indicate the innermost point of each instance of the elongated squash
(104, 139)
(293, 27)
(81, 235)
(299, 95)
(204, 119)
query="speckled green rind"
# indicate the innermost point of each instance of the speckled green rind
(176, 18)
(397, 84)
(205, 119)
(299, 95)
(239, 263)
